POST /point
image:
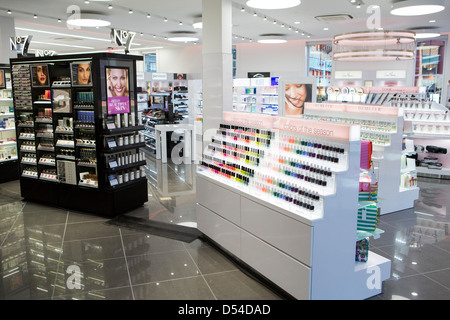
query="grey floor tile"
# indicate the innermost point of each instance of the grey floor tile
(124, 293)
(161, 266)
(192, 288)
(89, 230)
(235, 285)
(141, 243)
(417, 287)
(209, 260)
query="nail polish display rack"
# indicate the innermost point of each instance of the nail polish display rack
(64, 150)
(284, 203)
(383, 126)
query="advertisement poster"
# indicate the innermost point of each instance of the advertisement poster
(296, 94)
(81, 73)
(118, 93)
(40, 76)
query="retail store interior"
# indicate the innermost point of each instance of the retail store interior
(224, 150)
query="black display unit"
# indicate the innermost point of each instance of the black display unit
(79, 119)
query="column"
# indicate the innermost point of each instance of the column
(217, 63)
(7, 30)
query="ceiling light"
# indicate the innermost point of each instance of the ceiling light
(272, 39)
(270, 4)
(242, 9)
(417, 7)
(432, 21)
(88, 20)
(427, 35)
(59, 20)
(180, 23)
(297, 22)
(110, 7)
(198, 24)
(325, 29)
(9, 12)
(183, 39)
(148, 15)
(130, 11)
(165, 19)
(35, 16)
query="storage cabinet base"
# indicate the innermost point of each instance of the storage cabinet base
(108, 202)
(9, 171)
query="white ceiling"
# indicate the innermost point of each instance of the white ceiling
(48, 33)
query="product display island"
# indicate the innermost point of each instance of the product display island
(281, 195)
(78, 132)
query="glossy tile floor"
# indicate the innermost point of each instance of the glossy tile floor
(41, 247)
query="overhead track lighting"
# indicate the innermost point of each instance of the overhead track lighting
(417, 7)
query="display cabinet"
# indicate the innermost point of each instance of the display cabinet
(281, 196)
(255, 95)
(383, 126)
(78, 131)
(8, 145)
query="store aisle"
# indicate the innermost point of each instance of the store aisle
(42, 246)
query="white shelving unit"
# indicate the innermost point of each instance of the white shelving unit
(384, 127)
(255, 95)
(310, 254)
(8, 144)
(429, 125)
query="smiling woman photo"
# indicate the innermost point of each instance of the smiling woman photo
(117, 82)
(295, 97)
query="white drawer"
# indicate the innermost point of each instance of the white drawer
(219, 200)
(286, 234)
(219, 230)
(287, 273)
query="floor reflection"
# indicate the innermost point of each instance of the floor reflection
(53, 253)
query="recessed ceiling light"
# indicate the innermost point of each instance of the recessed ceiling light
(198, 24)
(426, 35)
(35, 16)
(9, 12)
(432, 21)
(88, 20)
(110, 7)
(297, 22)
(165, 19)
(272, 39)
(271, 4)
(148, 15)
(130, 11)
(416, 7)
(183, 39)
(325, 29)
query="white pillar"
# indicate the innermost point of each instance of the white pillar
(7, 30)
(217, 61)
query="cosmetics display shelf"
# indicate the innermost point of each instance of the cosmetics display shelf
(180, 100)
(256, 95)
(383, 126)
(70, 134)
(8, 145)
(281, 195)
(427, 124)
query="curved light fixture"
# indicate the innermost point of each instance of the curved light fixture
(183, 39)
(88, 20)
(374, 55)
(417, 7)
(273, 4)
(375, 38)
(374, 46)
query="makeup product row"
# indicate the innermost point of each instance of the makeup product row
(21, 81)
(376, 138)
(126, 176)
(369, 125)
(124, 158)
(259, 133)
(438, 115)
(231, 166)
(431, 128)
(225, 172)
(284, 190)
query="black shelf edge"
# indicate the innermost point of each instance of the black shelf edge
(122, 130)
(127, 147)
(127, 166)
(126, 184)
